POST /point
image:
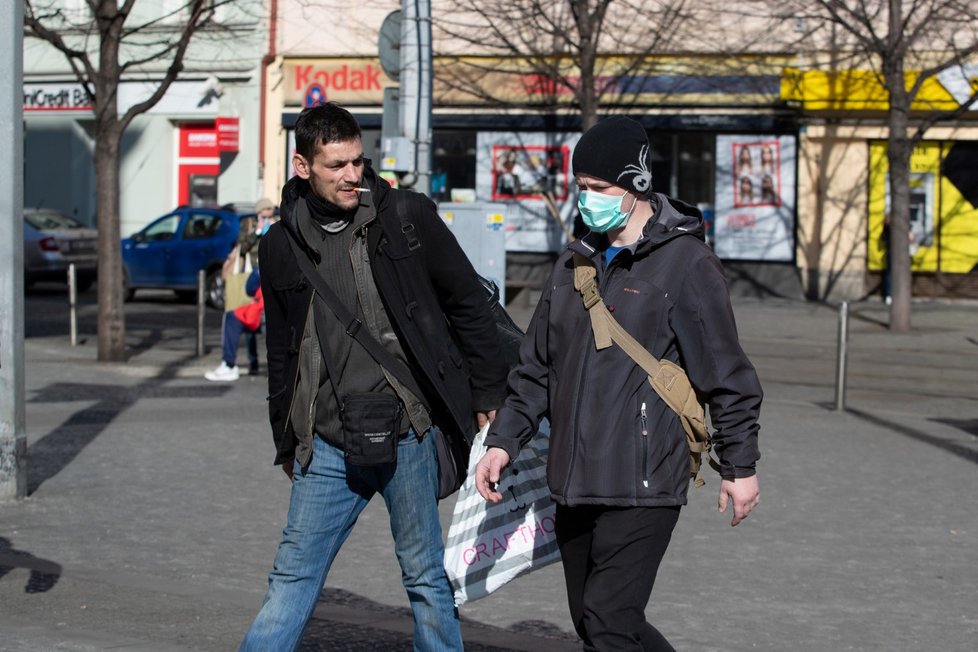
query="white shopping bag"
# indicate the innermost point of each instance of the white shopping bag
(491, 543)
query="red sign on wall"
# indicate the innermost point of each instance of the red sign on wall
(198, 156)
(227, 133)
(198, 140)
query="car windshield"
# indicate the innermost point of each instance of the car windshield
(51, 220)
(163, 229)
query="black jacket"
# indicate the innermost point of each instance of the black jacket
(432, 296)
(671, 295)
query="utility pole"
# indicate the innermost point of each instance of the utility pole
(13, 436)
(409, 152)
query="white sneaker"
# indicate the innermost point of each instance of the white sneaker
(223, 373)
(888, 300)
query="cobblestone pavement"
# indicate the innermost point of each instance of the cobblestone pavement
(154, 509)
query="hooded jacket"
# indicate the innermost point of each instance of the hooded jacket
(432, 297)
(668, 291)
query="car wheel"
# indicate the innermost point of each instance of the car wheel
(214, 290)
(127, 290)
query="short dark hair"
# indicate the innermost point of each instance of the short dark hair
(322, 124)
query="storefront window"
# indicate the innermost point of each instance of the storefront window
(453, 163)
(695, 165)
(683, 165)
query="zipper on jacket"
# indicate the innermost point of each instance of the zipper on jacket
(645, 447)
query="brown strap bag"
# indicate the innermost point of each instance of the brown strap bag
(667, 378)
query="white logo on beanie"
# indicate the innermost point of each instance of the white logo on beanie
(643, 177)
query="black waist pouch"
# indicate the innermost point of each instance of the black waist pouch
(370, 425)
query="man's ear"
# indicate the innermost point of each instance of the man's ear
(301, 165)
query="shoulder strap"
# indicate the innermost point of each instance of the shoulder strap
(351, 324)
(605, 327)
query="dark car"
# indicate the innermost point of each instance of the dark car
(54, 240)
(171, 250)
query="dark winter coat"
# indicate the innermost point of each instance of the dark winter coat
(432, 296)
(669, 292)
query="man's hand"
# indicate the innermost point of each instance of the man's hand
(482, 418)
(287, 468)
(745, 494)
(487, 473)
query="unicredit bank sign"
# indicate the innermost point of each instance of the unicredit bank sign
(347, 81)
(55, 97)
(181, 98)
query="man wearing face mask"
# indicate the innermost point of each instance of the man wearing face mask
(618, 467)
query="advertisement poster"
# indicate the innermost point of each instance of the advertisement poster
(530, 172)
(755, 198)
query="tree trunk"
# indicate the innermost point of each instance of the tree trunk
(898, 156)
(585, 18)
(898, 151)
(108, 135)
(111, 319)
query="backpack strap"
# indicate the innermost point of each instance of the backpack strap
(408, 230)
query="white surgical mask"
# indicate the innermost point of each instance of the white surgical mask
(602, 213)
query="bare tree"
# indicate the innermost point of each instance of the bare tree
(906, 43)
(102, 45)
(576, 55)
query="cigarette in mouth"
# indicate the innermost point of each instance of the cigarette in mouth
(362, 189)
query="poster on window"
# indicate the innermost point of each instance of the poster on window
(530, 172)
(755, 198)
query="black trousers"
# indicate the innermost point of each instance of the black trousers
(610, 557)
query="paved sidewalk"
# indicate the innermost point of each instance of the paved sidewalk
(155, 511)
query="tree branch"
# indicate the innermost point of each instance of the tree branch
(199, 14)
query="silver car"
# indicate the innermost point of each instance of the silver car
(53, 240)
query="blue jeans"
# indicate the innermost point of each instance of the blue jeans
(233, 328)
(327, 498)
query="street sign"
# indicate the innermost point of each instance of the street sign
(389, 45)
(315, 94)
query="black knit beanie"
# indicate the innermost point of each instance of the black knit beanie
(616, 150)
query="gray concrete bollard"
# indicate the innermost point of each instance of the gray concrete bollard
(72, 304)
(840, 376)
(201, 306)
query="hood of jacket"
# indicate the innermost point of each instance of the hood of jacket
(671, 218)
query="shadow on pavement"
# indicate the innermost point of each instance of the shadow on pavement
(954, 448)
(44, 573)
(969, 426)
(53, 452)
(374, 627)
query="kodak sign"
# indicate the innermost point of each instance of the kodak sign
(347, 81)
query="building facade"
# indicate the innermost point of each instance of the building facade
(787, 168)
(198, 145)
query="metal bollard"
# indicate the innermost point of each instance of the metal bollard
(840, 376)
(72, 305)
(201, 280)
